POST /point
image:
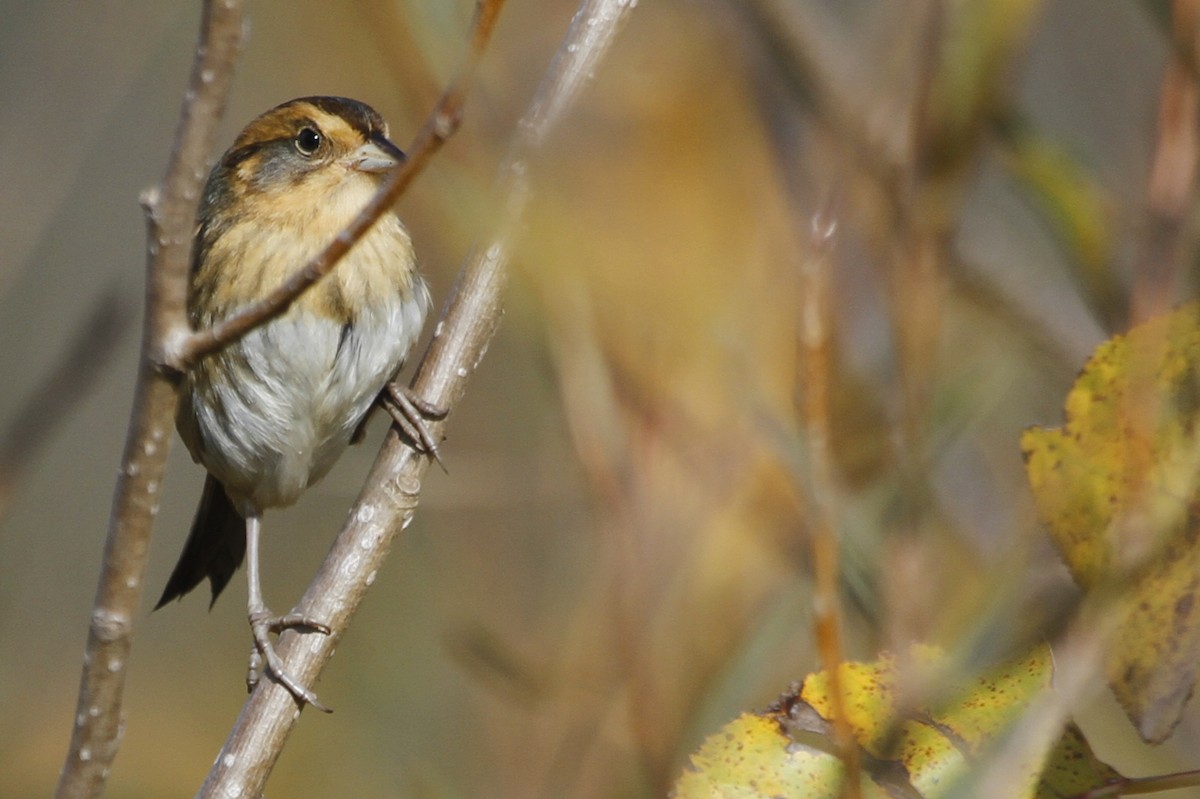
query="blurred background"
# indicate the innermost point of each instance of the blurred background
(794, 268)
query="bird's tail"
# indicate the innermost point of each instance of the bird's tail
(215, 546)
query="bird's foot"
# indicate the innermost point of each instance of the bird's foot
(412, 415)
(262, 624)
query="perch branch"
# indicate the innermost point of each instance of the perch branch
(389, 499)
(171, 211)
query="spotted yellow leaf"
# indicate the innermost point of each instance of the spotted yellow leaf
(925, 752)
(1116, 486)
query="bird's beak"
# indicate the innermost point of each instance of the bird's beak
(377, 155)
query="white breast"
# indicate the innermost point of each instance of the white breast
(271, 414)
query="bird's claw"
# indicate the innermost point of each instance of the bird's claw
(262, 625)
(295, 621)
(412, 414)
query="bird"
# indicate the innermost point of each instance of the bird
(268, 415)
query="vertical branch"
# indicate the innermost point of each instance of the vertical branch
(1172, 190)
(171, 212)
(815, 317)
(916, 280)
(389, 499)
(914, 263)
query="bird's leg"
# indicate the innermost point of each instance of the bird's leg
(263, 623)
(411, 414)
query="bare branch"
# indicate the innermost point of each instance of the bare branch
(393, 487)
(171, 212)
(438, 128)
(816, 314)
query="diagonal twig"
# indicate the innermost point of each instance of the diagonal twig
(389, 499)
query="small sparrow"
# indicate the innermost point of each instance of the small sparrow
(268, 415)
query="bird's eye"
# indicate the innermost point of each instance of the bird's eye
(307, 141)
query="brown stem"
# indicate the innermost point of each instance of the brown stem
(815, 323)
(1172, 190)
(389, 499)
(1130, 786)
(171, 210)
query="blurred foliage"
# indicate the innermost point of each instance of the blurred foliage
(1075, 208)
(619, 560)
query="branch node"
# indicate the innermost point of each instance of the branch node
(405, 491)
(171, 355)
(446, 121)
(110, 625)
(150, 199)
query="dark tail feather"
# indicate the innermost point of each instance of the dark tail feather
(215, 547)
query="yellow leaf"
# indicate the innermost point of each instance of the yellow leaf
(1073, 769)
(869, 690)
(978, 711)
(1116, 486)
(751, 758)
(925, 752)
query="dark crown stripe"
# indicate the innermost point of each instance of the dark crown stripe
(359, 116)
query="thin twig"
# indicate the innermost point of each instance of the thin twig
(916, 285)
(438, 128)
(788, 32)
(389, 499)
(817, 488)
(1131, 786)
(815, 324)
(1172, 189)
(171, 211)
